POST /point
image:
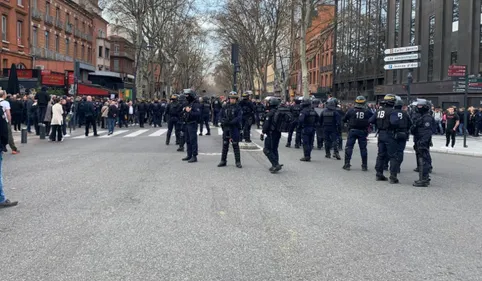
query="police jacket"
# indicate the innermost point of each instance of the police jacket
(296, 110)
(206, 109)
(268, 125)
(358, 118)
(260, 108)
(382, 118)
(423, 129)
(330, 119)
(247, 107)
(193, 115)
(217, 105)
(231, 116)
(308, 118)
(89, 109)
(174, 109)
(142, 108)
(399, 121)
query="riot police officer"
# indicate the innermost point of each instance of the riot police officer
(216, 105)
(259, 113)
(273, 136)
(401, 131)
(307, 120)
(317, 106)
(173, 113)
(190, 116)
(415, 116)
(422, 132)
(205, 116)
(358, 123)
(330, 120)
(295, 110)
(231, 116)
(248, 109)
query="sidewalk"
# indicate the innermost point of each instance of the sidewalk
(474, 145)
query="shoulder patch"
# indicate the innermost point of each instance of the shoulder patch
(427, 124)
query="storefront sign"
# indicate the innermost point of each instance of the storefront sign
(23, 73)
(53, 79)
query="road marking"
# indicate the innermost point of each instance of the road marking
(282, 134)
(220, 131)
(158, 133)
(83, 136)
(114, 134)
(210, 154)
(205, 131)
(136, 133)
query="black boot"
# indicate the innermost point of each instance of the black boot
(381, 177)
(192, 160)
(346, 166)
(306, 159)
(364, 168)
(222, 163)
(276, 168)
(288, 144)
(337, 156)
(187, 158)
(421, 183)
(237, 155)
(181, 149)
(393, 179)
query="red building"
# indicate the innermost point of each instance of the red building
(15, 24)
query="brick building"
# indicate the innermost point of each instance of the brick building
(319, 54)
(102, 54)
(15, 33)
(122, 57)
(62, 32)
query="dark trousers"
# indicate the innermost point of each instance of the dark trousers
(331, 139)
(172, 124)
(387, 149)
(41, 112)
(293, 129)
(216, 117)
(424, 159)
(450, 135)
(308, 139)
(142, 116)
(90, 120)
(355, 135)
(246, 124)
(231, 135)
(190, 134)
(204, 121)
(271, 144)
(319, 137)
(56, 132)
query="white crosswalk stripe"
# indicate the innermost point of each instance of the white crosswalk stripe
(158, 133)
(220, 131)
(285, 135)
(136, 133)
(83, 136)
(115, 134)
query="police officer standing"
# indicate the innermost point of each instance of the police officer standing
(205, 116)
(318, 107)
(173, 113)
(217, 106)
(231, 116)
(330, 120)
(422, 131)
(295, 110)
(248, 109)
(307, 120)
(401, 130)
(273, 136)
(190, 116)
(358, 123)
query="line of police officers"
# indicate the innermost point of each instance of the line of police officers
(307, 119)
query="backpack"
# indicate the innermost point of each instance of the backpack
(282, 119)
(3, 130)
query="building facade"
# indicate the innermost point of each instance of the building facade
(102, 44)
(122, 57)
(449, 32)
(319, 54)
(15, 33)
(360, 42)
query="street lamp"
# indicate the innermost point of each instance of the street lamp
(409, 83)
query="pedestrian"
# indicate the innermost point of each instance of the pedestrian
(104, 112)
(191, 116)
(273, 136)
(89, 113)
(57, 121)
(451, 125)
(112, 113)
(4, 137)
(8, 118)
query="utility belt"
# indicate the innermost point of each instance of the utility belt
(399, 135)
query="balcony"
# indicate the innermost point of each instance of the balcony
(122, 54)
(59, 57)
(67, 58)
(77, 33)
(68, 28)
(59, 24)
(49, 54)
(36, 14)
(49, 20)
(326, 68)
(37, 52)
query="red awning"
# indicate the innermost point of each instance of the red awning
(91, 91)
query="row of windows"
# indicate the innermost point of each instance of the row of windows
(57, 45)
(67, 17)
(5, 30)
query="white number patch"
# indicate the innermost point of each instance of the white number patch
(380, 114)
(400, 116)
(360, 115)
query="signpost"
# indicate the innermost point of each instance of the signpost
(460, 79)
(408, 60)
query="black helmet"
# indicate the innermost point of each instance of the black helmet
(315, 102)
(298, 100)
(360, 101)
(331, 104)
(205, 99)
(423, 105)
(274, 102)
(245, 95)
(333, 101)
(306, 103)
(390, 99)
(190, 95)
(233, 95)
(398, 103)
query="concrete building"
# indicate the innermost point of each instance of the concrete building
(449, 32)
(15, 33)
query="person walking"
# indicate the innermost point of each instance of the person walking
(451, 125)
(8, 118)
(57, 121)
(112, 113)
(4, 136)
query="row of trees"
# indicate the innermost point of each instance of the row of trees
(268, 32)
(167, 38)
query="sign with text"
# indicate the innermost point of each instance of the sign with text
(53, 79)
(457, 70)
(401, 65)
(23, 73)
(402, 57)
(402, 50)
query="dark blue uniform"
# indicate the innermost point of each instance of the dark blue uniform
(260, 108)
(271, 142)
(295, 110)
(422, 132)
(205, 116)
(231, 116)
(173, 113)
(217, 106)
(190, 128)
(358, 123)
(248, 109)
(307, 121)
(386, 145)
(330, 120)
(400, 124)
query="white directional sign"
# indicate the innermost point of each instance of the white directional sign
(402, 57)
(401, 65)
(402, 50)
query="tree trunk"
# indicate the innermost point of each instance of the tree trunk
(138, 80)
(305, 20)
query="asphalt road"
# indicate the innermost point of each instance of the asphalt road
(130, 209)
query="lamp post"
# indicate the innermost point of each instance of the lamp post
(409, 84)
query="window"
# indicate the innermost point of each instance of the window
(82, 52)
(67, 46)
(455, 15)
(88, 54)
(100, 51)
(19, 32)
(116, 65)
(5, 63)
(83, 26)
(67, 18)
(116, 49)
(57, 43)
(20, 3)
(34, 4)
(47, 8)
(412, 22)
(75, 50)
(34, 37)
(107, 53)
(453, 58)
(57, 13)
(4, 28)
(397, 35)
(76, 21)
(47, 38)
(431, 47)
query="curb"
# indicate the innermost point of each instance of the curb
(442, 150)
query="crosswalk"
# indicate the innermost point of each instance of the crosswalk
(136, 133)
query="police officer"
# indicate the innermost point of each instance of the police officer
(273, 136)
(191, 115)
(217, 106)
(231, 116)
(248, 109)
(307, 120)
(182, 125)
(173, 113)
(205, 116)
(156, 113)
(358, 123)
(260, 108)
(422, 132)
(401, 130)
(415, 116)
(318, 107)
(295, 110)
(330, 120)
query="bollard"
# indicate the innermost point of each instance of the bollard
(42, 131)
(23, 136)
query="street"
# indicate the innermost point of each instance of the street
(128, 208)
